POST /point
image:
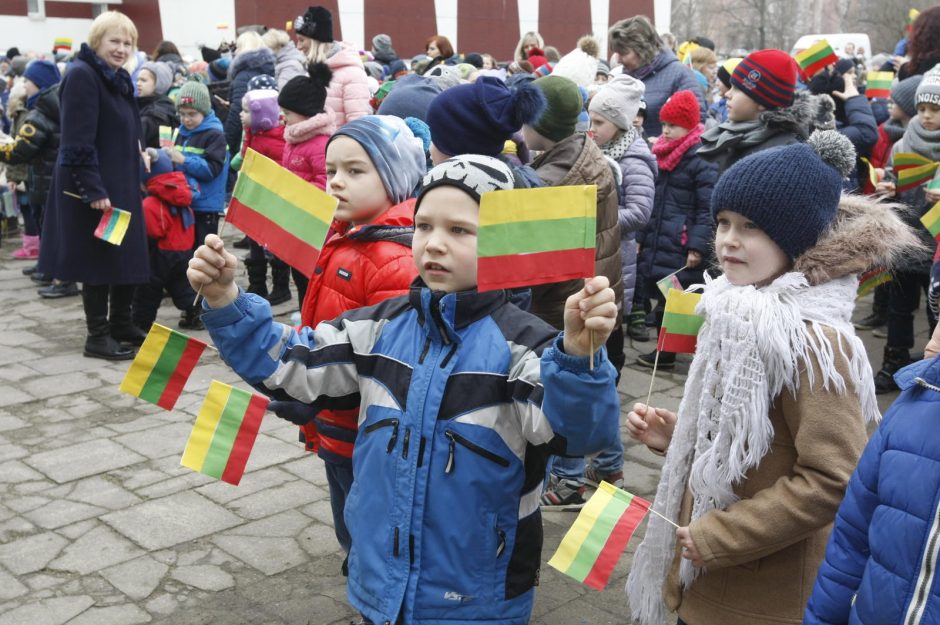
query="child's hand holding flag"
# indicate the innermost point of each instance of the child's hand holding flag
(590, 310)
(212, 272)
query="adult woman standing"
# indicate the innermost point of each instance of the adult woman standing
(924, 46)
(439, 50)
(528, 41)
(99, 161)
(289, 61)
(348, 94)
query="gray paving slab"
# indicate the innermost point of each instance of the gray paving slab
(74, 462)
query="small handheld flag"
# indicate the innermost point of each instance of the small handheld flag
(669, 282)
(871, 279)
(224, 432)
(113, 225)
(878, 84)
(166, 137)
(813, 59)
(912, 170)
(931, 221)
(679, 331)
(536, 236)
(873, 178)
(162, 366)
(591, 548)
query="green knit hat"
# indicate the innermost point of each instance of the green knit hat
(194, 95)
(564, 106)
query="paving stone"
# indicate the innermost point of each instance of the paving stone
(283, 524)
(26, 503)
(62, 384)
(63, 363)
(268, 555)
(14, 472)
(16, 372)
(61, 512)
(10, 422)
(81, 528)
(172, 520)
(103, 492)
(10, 396)
(98, 549)
(10, 587)
(319, 540)
(158, 442)
(83, 460)
(14, 528)
(269, 451)
(283, 497)
(42, 581)
(14, 338)
(187, 481)
(308, 467)
(137, 578)
(113, 615)
(204, 577)
(221, 492)
(163, 604)
(52, 611)
(32, 553)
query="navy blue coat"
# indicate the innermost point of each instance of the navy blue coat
(861, 129)
(681, 221)
(880, 564)
(246, 66)
(99, 157)
(666, 77)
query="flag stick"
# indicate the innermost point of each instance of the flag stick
(74, 195)
(591, 356)
(221, 228)
(652, 378)
(675, 525)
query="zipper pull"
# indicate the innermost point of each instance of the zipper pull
(501, 545)
(404, 445)
(394, 438)
(450, 453)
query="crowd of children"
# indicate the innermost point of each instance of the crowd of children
(447, 418)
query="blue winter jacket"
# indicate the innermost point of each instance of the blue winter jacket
(206, 164)
(881, 560)
(666, 75)
(463, 397)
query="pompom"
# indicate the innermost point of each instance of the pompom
(528, 104)
(590, 45)
(835, 150)
(320, 74)
(420, 130)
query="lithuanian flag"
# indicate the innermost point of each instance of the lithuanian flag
(873, 178)
(536, 236)
(679, 331)
(879, 84)
(591, 548)
(813, 59)
(162, 366)
(871, 279)
(281, 211)
(113, 225)
(224, 432)
(166, 137)
(931, 221)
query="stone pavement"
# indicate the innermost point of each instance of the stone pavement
(99, 524)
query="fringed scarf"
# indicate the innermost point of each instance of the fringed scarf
(752, 347)
(669, 152)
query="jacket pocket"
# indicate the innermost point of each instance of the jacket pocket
(454, 439)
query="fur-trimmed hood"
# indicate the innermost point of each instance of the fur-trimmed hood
(261, 60)
(797, 118)
(866, 233)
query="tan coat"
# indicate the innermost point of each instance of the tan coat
(762, 552)
(576, 160)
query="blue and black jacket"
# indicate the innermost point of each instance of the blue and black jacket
(206, 164)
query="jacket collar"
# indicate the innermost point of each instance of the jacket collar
(211, 122)
(925, 373)
(118, 81)
(451, 312)
(397, 225)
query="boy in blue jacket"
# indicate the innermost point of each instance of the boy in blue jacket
(464, 397)
(881, 560)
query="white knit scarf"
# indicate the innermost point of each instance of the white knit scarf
(753, 345)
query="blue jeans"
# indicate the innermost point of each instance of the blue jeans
(608, 461)
(340, 478)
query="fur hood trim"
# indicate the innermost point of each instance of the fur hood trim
(797, 118)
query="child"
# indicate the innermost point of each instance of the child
(772, 420)
(309, 126)
(680, 231)
(761, 114)
(156, 109)
(718, 111)
(463, 395)
(170, 232)
(922, 136)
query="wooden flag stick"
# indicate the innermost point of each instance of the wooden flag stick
(650, 509)
(591, 356)
(221, 228)
(652, 379)
(74, 195)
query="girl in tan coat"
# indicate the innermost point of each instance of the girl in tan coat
(772, 421)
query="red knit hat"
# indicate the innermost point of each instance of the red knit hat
(768, 77)
(536, 57)
(682, 109)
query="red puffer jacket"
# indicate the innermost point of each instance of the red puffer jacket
(268, 143)
(167, 214)
(359, 266)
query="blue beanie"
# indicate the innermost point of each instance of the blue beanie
(262, 81)
(479, 118)
(791, 192)
(411, 97)
(42, 73)
(397, 154)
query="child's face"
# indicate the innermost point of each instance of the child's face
(31, 88)
(746, 254)
(897, 113)
(601, 78)
(929, 115)
(146, 83)
(535, 140)
(741, 108)
(190, 117)
(445, 241)
(353, 180)
(602, 129)
(722, 90)
(291, 118)
(489, 62)
(638, 120)
(672, 131)
(245, 115)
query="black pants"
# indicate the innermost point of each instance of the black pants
(167, 272)
(107, 306)
(615, 350)
(903, 300)
(206, 223)
(681, 622)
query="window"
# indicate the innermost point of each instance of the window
(36, 9)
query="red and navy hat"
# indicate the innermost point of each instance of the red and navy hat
(768, 77)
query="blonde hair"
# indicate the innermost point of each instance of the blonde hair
(702, 56)
(275, 39)
(110, 20)
(248, 41)
(519, 54)
(319, 50)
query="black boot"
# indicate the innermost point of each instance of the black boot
(122, 328)
(636, 327)
(280, 274)
(895, 358)
(100, 343)
(242, 244)
(257, 269)
(190, 320)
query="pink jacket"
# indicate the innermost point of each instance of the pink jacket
(305, 147)
(348, 94)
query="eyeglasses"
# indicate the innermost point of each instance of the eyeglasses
(189, 114)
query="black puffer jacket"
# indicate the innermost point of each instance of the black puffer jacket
(37, 145)
(246, 66)
(156, 111)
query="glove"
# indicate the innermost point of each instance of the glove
(296, 412)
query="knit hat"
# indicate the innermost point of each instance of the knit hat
(210, 54)
(396, 66)
(62, 44)
(397, 154)
(477, 118)
(262, 81)
(306, 95)
(681, 109)
(929, 89)
(578, 66)
(768, 77)
(42, 73)
(603, 68)
(563, 107)
(475, 59)
(12, 52)
(619, 100)
(162, 76)
(18, 65)
(473, 174)
(792, 192)
(382, 43)
(218, 69)
(195, 95)
(726, 69)
(903, 93)
(315, 23)
(160, 163)
(536, 57)
(262, 104)
(411, 97)
(446, 76)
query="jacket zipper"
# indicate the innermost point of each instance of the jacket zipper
(928, 567)
(404, 444)
(384, 423)
(501, 542)
(926, 384)
(455, 438)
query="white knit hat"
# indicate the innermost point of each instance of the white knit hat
(619, 100)
(579, 65)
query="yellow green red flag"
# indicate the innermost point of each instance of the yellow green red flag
(878, 84)
(162, 365)
(931, 221)
(113, 225)
(679, 331)
(813, 59)
(871, 279)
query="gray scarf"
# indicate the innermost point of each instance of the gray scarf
(734, 136)
(922, 141)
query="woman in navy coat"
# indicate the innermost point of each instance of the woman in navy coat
(99, 161)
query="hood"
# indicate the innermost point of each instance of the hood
(866, 233)
(322, 124)
(48, 102)
(172, 188)
(17, 100)
(159, 107)
(396, 225)
(640, 149)
(211, 122)
(260, 60)
(797, 118)
(344, 56)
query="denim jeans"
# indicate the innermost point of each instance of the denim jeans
(340, 479)
(608, 461)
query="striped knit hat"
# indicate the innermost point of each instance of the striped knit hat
(768, 77)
